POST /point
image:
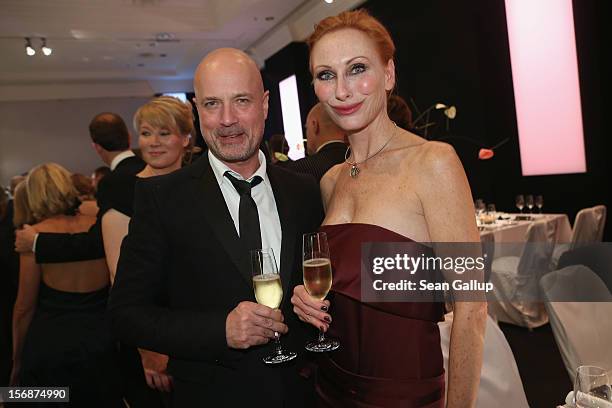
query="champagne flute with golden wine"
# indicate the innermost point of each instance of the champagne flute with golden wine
(318, 281)
(269, 292)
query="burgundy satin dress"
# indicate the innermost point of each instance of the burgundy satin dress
(390, 352)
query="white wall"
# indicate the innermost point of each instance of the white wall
(34, 132)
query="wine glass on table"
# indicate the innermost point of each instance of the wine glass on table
(520, 202)
(317, 280)
(529, 202)
(590, 385)
(539, 202)
(269, 292)
(479, 206)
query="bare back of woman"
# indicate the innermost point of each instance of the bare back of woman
(83, 276)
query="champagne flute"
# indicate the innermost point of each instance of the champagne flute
(591, 382)
(269, 292)
(520, 202)
(539, 202)
(318, 281)
(529, 202)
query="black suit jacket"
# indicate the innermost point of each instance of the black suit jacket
(183, 268)
(52, 248)
(317, 164)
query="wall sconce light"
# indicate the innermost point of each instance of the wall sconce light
(30, 51)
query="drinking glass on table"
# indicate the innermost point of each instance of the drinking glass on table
(539, 202)
(520, 202)
(269, 292)
(317, 280)
(529, 202)
(479, 206)
(591, 382)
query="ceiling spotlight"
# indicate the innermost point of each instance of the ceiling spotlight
(29, 50)
(329, 1)
(46, 50)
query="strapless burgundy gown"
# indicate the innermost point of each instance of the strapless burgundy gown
(390, 353)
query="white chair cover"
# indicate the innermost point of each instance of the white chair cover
(582, 329)
(516, 279)
(588, 229)
(600, 212)
(500, 382)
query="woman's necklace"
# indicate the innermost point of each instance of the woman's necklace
(354, 172)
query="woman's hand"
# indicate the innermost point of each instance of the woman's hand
(309, 309)
(154, 365)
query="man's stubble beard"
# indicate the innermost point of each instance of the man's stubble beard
(218, 151)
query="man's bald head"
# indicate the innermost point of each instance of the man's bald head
(223, 59)
(320, 129)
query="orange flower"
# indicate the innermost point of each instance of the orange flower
(485, 154)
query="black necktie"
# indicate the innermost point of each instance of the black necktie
(248, 217)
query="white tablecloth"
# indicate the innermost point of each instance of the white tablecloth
(513, 232)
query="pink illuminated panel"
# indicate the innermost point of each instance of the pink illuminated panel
(546, 88)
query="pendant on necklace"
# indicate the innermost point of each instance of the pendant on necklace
(354, 171)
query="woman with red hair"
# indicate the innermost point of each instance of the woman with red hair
(390, 354)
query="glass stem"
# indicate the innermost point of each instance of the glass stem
(321, 336)
(279, 348)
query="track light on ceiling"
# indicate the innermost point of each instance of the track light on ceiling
(46, 50)
(29, 50)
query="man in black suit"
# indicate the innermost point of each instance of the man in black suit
(111, 140)
(184, 285)
(325, 144)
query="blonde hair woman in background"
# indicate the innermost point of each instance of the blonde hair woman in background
(60, 333)
(165, 127)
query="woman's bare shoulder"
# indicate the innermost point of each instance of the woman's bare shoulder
(431, 156)
(328, 182)
(330, 178)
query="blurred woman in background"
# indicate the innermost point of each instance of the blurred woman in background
(60, 333)
(164, 126)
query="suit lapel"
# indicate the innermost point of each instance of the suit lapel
(282, 196)
(211, 204)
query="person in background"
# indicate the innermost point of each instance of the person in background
(325, 144)
(165, 127)
(97, 175)
(393, 187)
(399, 112)
(8, 284)
(15, 180)
(60, 331)
(86, 194)
(111, 140)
